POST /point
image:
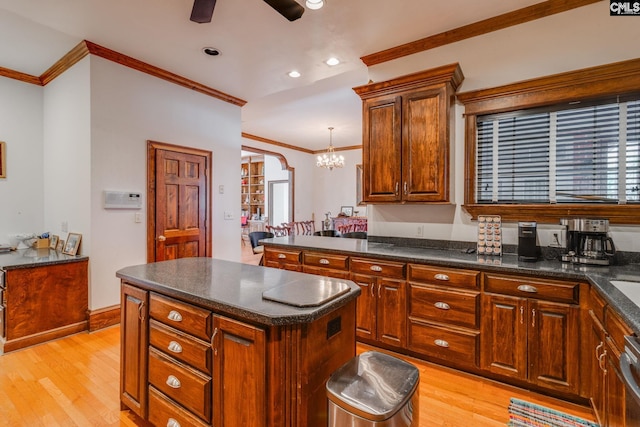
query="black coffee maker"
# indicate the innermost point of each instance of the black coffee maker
(527, 241)
(587, 241)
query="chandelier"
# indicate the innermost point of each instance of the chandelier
(329, 159)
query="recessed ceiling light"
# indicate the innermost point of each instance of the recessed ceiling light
(295, 74)
(332, 61)
(211, 51)
(314, 4)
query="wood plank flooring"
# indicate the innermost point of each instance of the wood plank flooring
(74, 381)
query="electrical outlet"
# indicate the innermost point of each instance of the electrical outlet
(64, 226)
(228, 215)
(138, 217)
(420, 231)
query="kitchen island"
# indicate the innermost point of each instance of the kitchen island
(212, 342)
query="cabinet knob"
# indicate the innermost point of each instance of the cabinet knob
(442, 305)
(406, 188)
(528, 288)
(175, 347)
(376, 268)
(441, 343)
(161, 238)
(281, 256)
(397, 188)
(441, 276)
(175, 316)
(173, 423)
(173, 382)
(324, 261)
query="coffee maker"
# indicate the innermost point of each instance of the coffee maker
(587, 241)
(527, 241)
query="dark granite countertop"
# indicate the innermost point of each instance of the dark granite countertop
(600, 277)
(27, 258)
(234, 289)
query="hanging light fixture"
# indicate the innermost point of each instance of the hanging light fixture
(314, 4)
(329, 159)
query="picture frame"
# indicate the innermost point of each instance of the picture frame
(3, 160)
(53, 241)
(346, 210)
(73, 243)
(60, 245)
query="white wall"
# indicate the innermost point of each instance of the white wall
(127, 109)
(572, 40)
(21, 192)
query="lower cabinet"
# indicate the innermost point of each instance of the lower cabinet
(530, 339)
(381, 309)
(284, 259)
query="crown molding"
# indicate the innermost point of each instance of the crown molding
(293, 147)
(509, 19)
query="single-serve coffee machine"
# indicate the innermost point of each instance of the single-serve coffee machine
(587, 241)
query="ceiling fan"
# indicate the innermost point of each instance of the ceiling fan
(203, 9)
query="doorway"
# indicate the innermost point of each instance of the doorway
(279, 209)
(178, 202)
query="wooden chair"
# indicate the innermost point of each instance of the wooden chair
(278, 230)
(306, 228)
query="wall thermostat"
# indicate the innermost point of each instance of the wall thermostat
(122, 200)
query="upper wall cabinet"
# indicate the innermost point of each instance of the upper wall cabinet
(406, 139)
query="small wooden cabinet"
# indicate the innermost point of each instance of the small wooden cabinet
(444, 314)
(531, 330)
(406, 136)
(381, 309)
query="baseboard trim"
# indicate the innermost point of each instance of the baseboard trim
(41, 337)
(104, 317)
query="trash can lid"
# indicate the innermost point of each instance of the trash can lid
(373, 385)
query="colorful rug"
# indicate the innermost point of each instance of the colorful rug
(525, 414)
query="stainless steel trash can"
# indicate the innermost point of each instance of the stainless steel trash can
(374, 390)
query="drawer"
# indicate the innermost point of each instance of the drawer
(527, 287)
(337, 262)
(616, 328)
(387, 269)
(186, 386)
(282, 256)
(162, 411)
(443, 306)
(443, 276)
(185, 317)
(181, 346)
(318, 271)
(451, 345)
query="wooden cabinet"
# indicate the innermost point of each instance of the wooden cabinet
(133, 348)
(284, 259)
(252, 186)
(240, 373)
(381, 310)
(528, 338)
(444, 314)
(406, 136)
(58, 293)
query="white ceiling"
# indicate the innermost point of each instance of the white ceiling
(259, 47)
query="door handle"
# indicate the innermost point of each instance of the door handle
(161, 238)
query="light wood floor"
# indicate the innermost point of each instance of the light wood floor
(74, 381)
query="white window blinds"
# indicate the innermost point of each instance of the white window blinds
(583, 154)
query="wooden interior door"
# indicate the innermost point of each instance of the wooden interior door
(179, 202)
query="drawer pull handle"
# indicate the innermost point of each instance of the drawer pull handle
(375, 268)
(282, 256)
(324, 261)
(173, 423)
(528, 288)
(175, 347)
(442, 305)
(173, 382)
(175, 316)
(441, 276)
(441, 343)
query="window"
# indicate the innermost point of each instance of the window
(566, 145)
(583, 154)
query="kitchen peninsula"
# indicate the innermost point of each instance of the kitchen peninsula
(211, 342)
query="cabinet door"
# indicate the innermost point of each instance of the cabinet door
(615, 405)
(239, 352)
(381, 150)
(133, 350)
(554, 345)
(597, 368)
(366, 306)
(425, 146)
(392, 312)
(504, 336)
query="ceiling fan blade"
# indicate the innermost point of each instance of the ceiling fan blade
(290, 9)
(202, 11)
